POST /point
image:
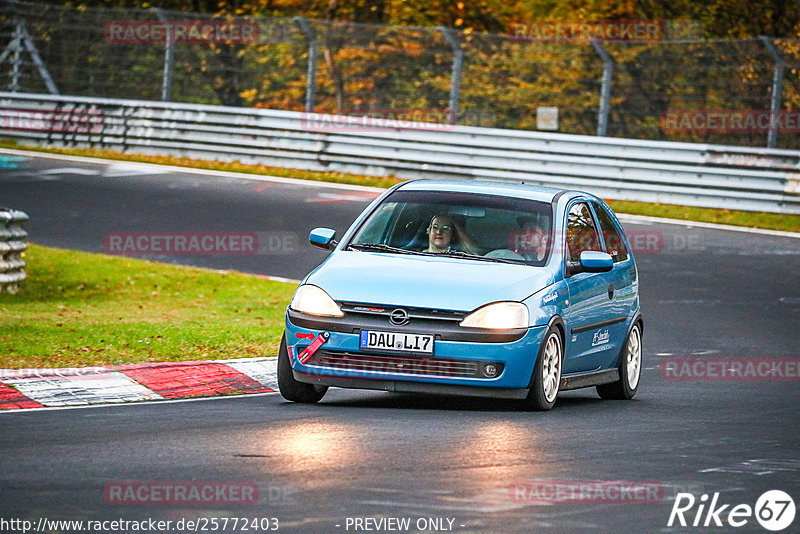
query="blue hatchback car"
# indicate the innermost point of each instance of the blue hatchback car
(480, 288)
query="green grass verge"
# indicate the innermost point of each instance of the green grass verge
(78, 309)
(751, 219)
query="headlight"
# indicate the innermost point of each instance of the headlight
(500, 316)
(314, 301)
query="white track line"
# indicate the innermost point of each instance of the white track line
(278, 278)
(711, 226)
(136, 403)
(101, 385)
(79, 389)
(190, 170)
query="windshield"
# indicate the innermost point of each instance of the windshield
(468, 225)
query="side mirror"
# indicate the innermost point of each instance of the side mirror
(323, 238)
(592, 261)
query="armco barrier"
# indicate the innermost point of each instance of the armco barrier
(654, 171)
(12, 243)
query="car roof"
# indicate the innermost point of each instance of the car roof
(487, 187)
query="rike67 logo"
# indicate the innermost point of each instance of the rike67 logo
(774, 510)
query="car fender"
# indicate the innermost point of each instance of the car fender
(547, 303)
(637, 318)
(555, 320)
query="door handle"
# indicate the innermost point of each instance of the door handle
(610, 292)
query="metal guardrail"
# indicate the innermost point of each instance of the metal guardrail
(718, 176)
(12, 244)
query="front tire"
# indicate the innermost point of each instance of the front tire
(547, 373)
(630, 369)
(291, 389)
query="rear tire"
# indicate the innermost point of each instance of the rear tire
(546, 373)
(291, 389)
(630, 369)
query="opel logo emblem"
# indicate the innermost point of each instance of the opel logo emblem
(398, 317)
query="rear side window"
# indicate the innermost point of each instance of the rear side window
(581, 232)
(614, 244)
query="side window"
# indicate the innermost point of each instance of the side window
(614, 244)
(581, 231)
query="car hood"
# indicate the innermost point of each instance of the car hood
(425, 281)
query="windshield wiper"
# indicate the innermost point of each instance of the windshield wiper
(468, 255)
(380, 247)
(462, 254)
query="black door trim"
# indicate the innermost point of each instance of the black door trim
(598, 324)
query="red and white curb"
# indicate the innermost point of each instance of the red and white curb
(38, 388)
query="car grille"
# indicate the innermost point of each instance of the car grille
(397, 364)
(414, 314)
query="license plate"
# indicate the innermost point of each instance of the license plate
(397, 342)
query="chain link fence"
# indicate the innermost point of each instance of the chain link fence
(680, 90)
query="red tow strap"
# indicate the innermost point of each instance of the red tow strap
(309, 351)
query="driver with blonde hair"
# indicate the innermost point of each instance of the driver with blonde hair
(445, 235)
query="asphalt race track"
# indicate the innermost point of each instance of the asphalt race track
(446, 465)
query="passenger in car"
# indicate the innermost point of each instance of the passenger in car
(531, 242)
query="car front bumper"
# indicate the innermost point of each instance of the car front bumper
(456, 367)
